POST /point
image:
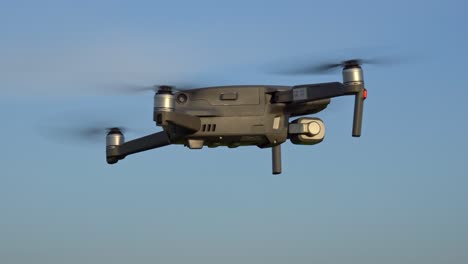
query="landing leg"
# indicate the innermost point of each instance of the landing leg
(276, 159)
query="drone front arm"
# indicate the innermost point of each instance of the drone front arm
(118, 152)
(116, 149)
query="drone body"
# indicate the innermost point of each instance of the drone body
(246, 115)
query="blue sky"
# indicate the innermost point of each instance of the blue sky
(395, 195)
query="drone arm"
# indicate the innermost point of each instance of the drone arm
(152, 141)
(313, 92)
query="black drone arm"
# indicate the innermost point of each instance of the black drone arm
(156, 140)
(176, 124)
(313, 92)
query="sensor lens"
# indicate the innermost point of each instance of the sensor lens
(314, 128)
(182, 98)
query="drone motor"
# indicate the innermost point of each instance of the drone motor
(352, 75)
(114, 139)
(164, 99)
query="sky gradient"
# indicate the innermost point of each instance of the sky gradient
(398, 194)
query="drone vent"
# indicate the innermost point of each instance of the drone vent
(208, 128)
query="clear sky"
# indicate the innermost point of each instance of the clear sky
(398, 194)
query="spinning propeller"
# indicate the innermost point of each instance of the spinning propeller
(97, 133)
(84, 133)
(134, 89)
(325, 67)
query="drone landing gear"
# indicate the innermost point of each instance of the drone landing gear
(276, 159)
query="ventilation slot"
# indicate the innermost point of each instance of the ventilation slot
(208, 128)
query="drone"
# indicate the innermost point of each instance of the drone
(244, 115)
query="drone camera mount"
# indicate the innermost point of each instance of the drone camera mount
(306, 131)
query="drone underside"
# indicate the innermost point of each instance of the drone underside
(236, 116)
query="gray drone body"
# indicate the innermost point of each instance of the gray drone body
(248, 115)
